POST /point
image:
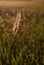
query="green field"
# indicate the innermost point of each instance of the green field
(27, 46)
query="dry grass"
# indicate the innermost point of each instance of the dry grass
(20, 3)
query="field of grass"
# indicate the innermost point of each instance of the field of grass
(27, 46)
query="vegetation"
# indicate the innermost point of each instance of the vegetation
(27, 46)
